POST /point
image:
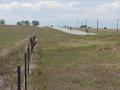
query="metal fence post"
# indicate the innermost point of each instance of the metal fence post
(28, 57)
(19, 77)
(25, 72)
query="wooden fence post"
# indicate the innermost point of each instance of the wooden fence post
(28, 57)
(33, 42)
(19, 77)
(25, 72)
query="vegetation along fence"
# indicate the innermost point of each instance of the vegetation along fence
(27, 58)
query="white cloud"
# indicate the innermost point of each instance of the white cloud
(109, 10)
(34, 6)
(113, 5)
(40, 5)
(14, 5)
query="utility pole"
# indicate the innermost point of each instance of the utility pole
(81, 23)
(117, 25)
(86, 28)
(97, 24)
(85, 22)
(77, 24)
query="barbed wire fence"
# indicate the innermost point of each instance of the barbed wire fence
(23, 71)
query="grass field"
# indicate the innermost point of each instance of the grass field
(13, 39)
(78, 62)
(9, 35)
(68, 62)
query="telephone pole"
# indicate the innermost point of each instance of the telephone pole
(86, 27)
(97, 24)
(117, 25)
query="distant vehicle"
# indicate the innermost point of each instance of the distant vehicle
(51, 26)
(89, 27)
(70, 28)
(105, 28)
(83, 26)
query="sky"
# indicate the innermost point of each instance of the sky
(61, 12)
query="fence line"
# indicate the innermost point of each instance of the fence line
(27, 59)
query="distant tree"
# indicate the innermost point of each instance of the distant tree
(35, 23)
(26, 22)
(23, 23)
(18, 23)
(2, 22)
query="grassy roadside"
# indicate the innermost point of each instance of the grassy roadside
(13, 40)
(9, 35)
(67, 62)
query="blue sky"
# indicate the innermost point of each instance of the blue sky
(60, 12)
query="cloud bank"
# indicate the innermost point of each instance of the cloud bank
(50, 11)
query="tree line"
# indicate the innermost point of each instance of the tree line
(23, 22)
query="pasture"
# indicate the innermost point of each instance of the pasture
(64, 61)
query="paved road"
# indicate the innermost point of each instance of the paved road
(75, 32)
